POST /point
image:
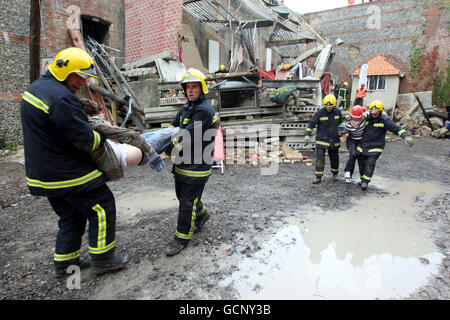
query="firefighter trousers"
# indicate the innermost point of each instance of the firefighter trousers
(320, 160)
(96, 206)
(353, 156)
(369, 162)
(190, 207)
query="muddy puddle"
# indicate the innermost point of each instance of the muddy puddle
(374, 250)
(146, 200)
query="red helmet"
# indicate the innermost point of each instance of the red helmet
(356, 112)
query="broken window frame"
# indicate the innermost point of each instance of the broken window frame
(377, 83)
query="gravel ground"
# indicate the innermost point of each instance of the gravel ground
(246, 208)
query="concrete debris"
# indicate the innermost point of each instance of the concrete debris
(426, 122)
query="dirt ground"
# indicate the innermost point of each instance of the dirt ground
(247, 210)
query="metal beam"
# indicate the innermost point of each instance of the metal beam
(284, 42)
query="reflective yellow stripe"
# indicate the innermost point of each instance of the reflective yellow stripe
(195, 174)
(366, 177)
(191, 229)
(334, 170)
(323, 118)
(171, 126)
(401, 132)
(103, 249)
(359, 149)
(64, 184)
(214, 119)
(67, 256)
(381, 125)
(101, 236)
(186, 121)
(376, 150)
(177, 145)
(308, 129)
(337, 144)
(318, 172)
(96, 140)
(323, 143)
(336, 117)
(28, 97)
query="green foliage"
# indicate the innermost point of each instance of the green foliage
(441, 89)
(414, 61)
(4, 146)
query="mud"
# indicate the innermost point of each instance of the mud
(270, 237)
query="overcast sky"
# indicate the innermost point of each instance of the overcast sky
(306, 6)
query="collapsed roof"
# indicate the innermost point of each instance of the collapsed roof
(288, 31)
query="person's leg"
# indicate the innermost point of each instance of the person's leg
(72, 224)
(333, 154)
(320, 164)
(188, 198)
(99, 207)
(350, 165)
(369, 169)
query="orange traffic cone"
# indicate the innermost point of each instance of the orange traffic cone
(219, 150)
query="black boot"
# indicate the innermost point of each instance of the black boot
(364, 185)
(110, 263)
(175, 247)
(201, 220)
(335, 177)
(83, 263)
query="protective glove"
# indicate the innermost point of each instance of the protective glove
(307, 138)
(155, 161)
(409, 141)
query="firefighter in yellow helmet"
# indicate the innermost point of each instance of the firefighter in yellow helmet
(193, 150)
(57, 139)
(222, 69)
(328, 121)
(373, 140)
(342, 90)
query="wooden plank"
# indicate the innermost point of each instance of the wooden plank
(162, 109)
(298, 83)
(423, 111)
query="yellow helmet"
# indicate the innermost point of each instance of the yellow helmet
(345, 83)
(222, 67)
(329, 100)
(194, 75)
(376, 104)
(72, 60)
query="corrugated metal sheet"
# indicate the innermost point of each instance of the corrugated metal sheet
(245, 11)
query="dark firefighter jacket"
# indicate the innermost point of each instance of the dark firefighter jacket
(327, 127)
(57, 137)
(373, 139)
(195, 142)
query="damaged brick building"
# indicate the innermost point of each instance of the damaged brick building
(413, 33)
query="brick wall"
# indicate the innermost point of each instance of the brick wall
(403, 26)
(151, 27)
(14, 47)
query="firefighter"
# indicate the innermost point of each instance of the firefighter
(329, 121)
(57, 138)
(342, 91)
(373, 140)
(193, 147)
